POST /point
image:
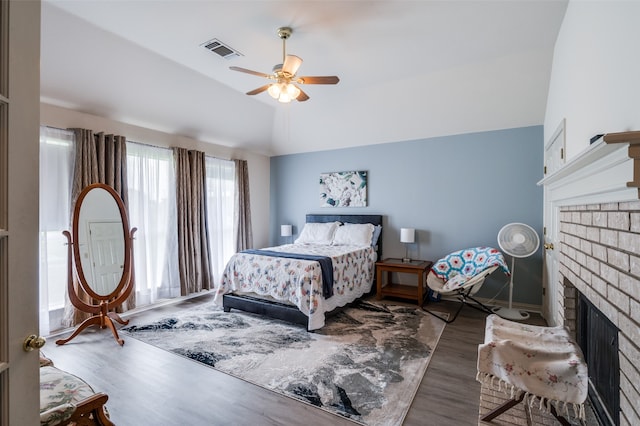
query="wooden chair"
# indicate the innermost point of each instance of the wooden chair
(67, 399)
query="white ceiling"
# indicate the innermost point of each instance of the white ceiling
(408, 69)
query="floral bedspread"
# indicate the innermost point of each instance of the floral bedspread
(542, 362)
(300, 281)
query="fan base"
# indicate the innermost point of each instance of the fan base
(512, 314)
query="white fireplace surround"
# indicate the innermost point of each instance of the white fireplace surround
(608, 171)
(599, 257)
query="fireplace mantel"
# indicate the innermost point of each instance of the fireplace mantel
(607, 171)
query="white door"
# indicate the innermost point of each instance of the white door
(19, 135)
(554, 150)
(554, 159)
(106, 245)
(551, 285)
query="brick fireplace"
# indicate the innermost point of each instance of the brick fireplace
(593, 201)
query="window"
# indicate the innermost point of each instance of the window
(152, 209)
(221, 178)
(56, 171)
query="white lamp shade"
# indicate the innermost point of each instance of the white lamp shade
(286, 230)
(407, 235)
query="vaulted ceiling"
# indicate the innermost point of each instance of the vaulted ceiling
(408, 69)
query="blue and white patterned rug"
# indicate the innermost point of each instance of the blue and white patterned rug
(366, 364)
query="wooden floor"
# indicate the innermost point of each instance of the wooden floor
(150, 386)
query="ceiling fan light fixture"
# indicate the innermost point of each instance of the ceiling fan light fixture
(275, 90)
(283, 92)
(292, 91)
(284, 98)
(285, 74)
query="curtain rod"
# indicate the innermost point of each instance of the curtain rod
(147, 144)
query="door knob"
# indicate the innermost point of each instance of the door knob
(33, 342)
(548, 246)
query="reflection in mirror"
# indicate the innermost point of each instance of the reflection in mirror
(100, 241)
(100, 248)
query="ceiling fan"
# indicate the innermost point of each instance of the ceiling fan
(284, 88)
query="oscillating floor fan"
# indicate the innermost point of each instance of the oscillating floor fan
(516, 240)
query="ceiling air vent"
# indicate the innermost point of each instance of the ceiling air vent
(218, 47)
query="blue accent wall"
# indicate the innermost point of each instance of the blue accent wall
(456, 191)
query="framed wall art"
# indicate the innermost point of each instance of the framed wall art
(343, 189)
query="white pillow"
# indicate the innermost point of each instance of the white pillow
(317, 233)
(359, 234)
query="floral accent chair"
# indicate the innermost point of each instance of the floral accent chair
(66, 399)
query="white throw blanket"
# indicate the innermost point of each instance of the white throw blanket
(543, 362)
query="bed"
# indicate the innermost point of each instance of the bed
(297, 287)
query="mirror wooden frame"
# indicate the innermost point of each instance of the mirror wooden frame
(102, 305)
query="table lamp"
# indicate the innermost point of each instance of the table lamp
(407, 236)
(286, 230)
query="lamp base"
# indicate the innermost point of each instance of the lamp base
(512, 314)
(406, 260)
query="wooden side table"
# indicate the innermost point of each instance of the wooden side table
(418, 267)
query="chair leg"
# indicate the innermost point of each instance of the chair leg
(448, 321)
(561, 419)
(479, 305)
(501, 408)
(91, 411)
(462, 297)
(515, 401)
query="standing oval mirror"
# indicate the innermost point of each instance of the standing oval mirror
(101, 250)
(100, 230)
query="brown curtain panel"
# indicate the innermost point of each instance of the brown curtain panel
(99, 158)
(193, 229)
(242, 221)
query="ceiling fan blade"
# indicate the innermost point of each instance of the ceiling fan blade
(259, 90)
(329, 79)
(302, 96)
(291, 64)
(259, 74)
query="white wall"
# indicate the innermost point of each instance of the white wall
(595, 78)
(259, 172)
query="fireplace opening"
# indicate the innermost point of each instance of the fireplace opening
(598, 339)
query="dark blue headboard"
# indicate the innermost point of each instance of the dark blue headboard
(375, 219)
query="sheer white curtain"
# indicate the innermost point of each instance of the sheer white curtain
(56, 171)
(220, 204)
(152, 209)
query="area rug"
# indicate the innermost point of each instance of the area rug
(366, 363)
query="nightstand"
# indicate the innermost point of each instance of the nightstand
(386, 288)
